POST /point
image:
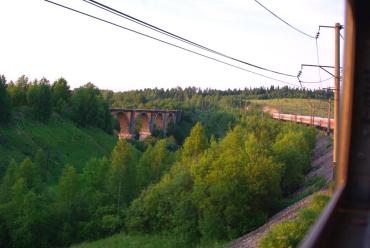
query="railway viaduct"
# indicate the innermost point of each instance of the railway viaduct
(149, 119)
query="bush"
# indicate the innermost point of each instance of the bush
(290, 233)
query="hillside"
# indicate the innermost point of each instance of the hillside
(61, 139)
(321, 166)
(315, 107)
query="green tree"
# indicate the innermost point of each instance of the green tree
(61, 95)
(292, 151)
(89, 108)
(153, 163)
(30, 174)
(39, 98)
(8, 181)
(196, 143)
(68, 190)
(5, 102)
(41, 163)
(18, 91)
(123, 173)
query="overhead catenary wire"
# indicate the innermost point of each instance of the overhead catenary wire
(168, 43)
(341, 36)
(281, 19)
(316, 82)
(174, 36)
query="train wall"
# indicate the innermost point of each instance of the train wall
(316, 121)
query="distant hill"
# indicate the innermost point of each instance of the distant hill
(62, 141)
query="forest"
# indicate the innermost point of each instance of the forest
(218, 175)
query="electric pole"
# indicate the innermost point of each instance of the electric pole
(336, 93)
(329, 115)
(336, 76)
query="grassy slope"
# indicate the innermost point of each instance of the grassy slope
(297, 106)
(142, 241)
(61, 139)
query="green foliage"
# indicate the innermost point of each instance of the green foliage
(61, 141)
(143, 241)
(61, 95)
(123, 176)
(228, 177)
(39, 98)
(222, 189)
(89, 109)
(153, 163)
(208, 99)
(22, 197)
(290, 233)
(41, 162)
(196, 143)
(68, 188)
(18, 91)
(5, 102)
(292, 148)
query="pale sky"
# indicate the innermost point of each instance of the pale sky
(39, 40)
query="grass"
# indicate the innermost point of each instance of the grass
(311, 186)
(143, 241)
(62, 141)
(290, 233)
(296, 106)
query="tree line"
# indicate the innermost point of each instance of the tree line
(84, 105)
(192, 97)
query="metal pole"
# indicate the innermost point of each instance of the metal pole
(329, 112)
(336, 94)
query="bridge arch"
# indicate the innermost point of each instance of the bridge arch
(159, 121)
(124, 124)
(144, 120)
(171, 118)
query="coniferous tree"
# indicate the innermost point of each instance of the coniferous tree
(39, 98)
(18, 91)
(5, 102)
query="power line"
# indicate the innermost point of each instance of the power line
(172, 35)
(341, 36)
(281, 19)
(316, 82)
(167, 43)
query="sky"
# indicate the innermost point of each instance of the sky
(39, 39)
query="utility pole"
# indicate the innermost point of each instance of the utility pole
(336, 94)
(329, 115)
(336, 76)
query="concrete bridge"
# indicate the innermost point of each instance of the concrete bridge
(149, 119)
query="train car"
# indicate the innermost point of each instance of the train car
(319, 122)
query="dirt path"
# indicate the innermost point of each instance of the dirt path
(270, 110)
(321, 166)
